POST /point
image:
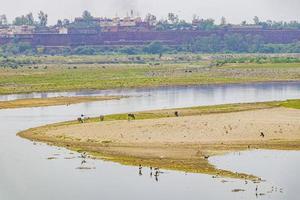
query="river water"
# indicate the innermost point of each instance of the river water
(30, 171)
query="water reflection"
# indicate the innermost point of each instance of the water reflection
(209, 93)
(153, 172)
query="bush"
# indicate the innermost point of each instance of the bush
(84, 50)
(154, 48)
(130, 50)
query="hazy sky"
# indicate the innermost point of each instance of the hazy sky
(234, 10)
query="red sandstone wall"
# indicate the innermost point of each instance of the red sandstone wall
(134, 38)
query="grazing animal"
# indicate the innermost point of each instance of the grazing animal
(131, 116)
(206, 157)
(262, 134)
(176, 113)
(101, 118)
(79, 119)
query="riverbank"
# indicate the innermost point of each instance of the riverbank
(183, 143)
(75, 73)
(55, 101)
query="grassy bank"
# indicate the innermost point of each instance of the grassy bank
(193, 156)
(41, 102)
(58, 73)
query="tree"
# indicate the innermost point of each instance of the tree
(173, 18)
(223, 21)
(87, 16)
(18, 21)
(208, 44)
(244, 23)
(66, 22)
(154, 48)
(43, 19)
(256, 20)
(205, 24)
(151, 19)
(3, 20)
(59, 23)
(29, 19)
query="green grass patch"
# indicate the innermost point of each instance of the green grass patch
(59, 73)
(291, 104)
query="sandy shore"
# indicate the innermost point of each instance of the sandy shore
(55, 101)
(276, 124)
(181, 143)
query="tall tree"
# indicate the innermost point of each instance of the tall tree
(29, 19)
(59, 23)
(223, 21)
(151, 19)
(256, 20)
(43, 19)
(173, 18)
(87, 16)
(18, 21)
(3, 20)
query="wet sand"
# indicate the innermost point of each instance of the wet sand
(55, 101)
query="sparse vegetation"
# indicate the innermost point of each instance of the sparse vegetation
(21, 74)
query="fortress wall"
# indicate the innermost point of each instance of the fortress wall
(140, 37)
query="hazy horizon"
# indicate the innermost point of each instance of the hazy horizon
(235, 11)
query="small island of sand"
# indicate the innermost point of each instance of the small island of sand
(161, 139)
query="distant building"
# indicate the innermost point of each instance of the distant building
(246, 27)
(63, 30)
(17, 30)
(124, 24)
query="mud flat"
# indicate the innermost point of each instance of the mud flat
(160, 139)
(55, 101)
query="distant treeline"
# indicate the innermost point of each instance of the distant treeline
(171, 22)
(230, 43)
(238, 43)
